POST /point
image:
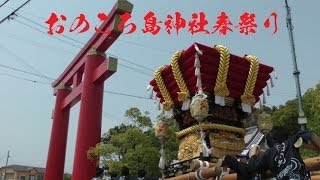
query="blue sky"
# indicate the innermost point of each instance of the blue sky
(25, 121)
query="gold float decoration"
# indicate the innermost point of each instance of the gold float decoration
(221, 88)
(199, 107)
(183, 95)
(211, 126)
(167, 104)
(222, 143)
(264, 123)
(247, 96)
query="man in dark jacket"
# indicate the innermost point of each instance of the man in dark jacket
(240, 168)
(283, 160)
(113, 176)
(99, 174)
(125, 173)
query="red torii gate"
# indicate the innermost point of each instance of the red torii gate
(83, 80)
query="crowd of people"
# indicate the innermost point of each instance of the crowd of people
(124, 175)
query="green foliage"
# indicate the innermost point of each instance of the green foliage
(114, 166)
(269, 110)
(134, 145)
(143, 157)
(66, 176)
(311, 101)
(309, 153)
(139, 120)
(116, 130)
(171, 145)
(287, 115)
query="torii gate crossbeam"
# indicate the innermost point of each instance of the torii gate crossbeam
(83, 80)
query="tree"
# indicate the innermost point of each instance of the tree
(66, 176)
(139, 120)
(311, 101)
(251, 120)
(171, 144)
(287, 115)
(134, 145)
(269, 110)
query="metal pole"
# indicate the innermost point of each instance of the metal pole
(302, 120)
(5, 170)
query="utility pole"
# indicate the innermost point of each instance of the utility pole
(5, 170)
(302, 120)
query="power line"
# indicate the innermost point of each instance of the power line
(31, 14)
(36, 43)
(132, 63)
(21, 78)
(51, 47)
(2, 158)
(104, 114)
(14, 12)
(114, 92)
(108, 115)
(123, 120)
(121, 40)
(47, 34)
(20, 60)
(146, 46)
(128, 95)
(117, 93)
(134, 69)
(40, 25)
(57, 49)
(129, 42)
(105, 91)
(4, 3)
(20, 70)
(68, 52)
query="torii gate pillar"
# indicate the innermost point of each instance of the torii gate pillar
(83, 80)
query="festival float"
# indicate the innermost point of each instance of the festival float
(210, 92)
